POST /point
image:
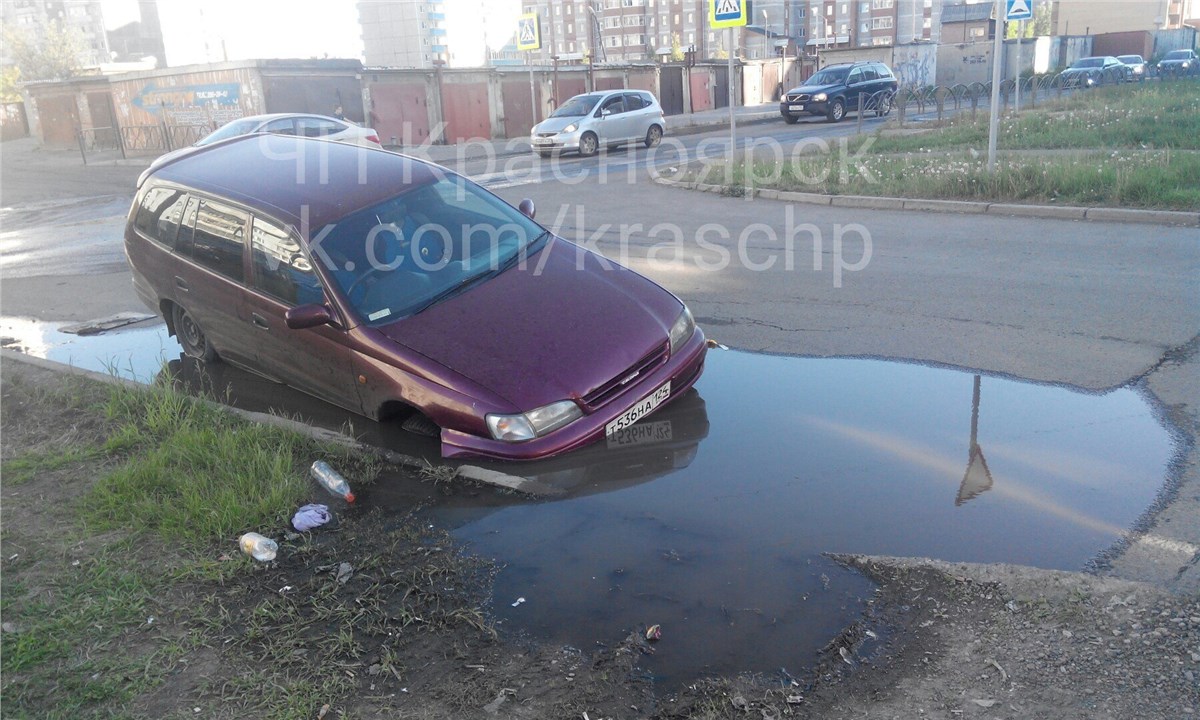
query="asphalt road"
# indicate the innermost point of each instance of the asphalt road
(1087, 304)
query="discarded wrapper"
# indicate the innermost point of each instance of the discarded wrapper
(653, 633)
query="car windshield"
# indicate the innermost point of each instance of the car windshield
(577, 106)
(1088, 63)
(232, 129)
(421, 247)
(831, 76)
(1130, 59)
(1178, 55)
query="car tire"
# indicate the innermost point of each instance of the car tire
(588, 144)
(653, 136)
(191, 338)
(885, 106)
(791, 119)
(837, 111)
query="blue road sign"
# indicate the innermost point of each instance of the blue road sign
(1018, 10)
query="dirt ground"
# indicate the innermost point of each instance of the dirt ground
(383, 619)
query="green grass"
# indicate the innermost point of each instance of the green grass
(1149, 116)
(178, 479)
(1147, 180)
(196, 474)
(1126, 146)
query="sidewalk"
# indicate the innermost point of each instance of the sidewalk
(676, 125)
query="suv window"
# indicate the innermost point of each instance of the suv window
(218, 238)
(281, 270)
(317, 127)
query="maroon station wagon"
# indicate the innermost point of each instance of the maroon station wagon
(400, 290)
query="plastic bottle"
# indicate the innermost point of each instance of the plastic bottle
(258, 547)
(332, 480)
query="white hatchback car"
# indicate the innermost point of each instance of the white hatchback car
(302, 124)
(606, 118)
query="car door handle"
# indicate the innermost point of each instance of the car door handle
(181, 284)
(259, 321)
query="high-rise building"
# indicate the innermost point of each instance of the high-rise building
(84, 16)
(867, 23)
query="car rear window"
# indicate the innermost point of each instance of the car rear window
(218, 238)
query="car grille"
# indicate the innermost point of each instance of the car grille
(626, 379)
(802, 97)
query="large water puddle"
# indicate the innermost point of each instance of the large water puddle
(713, 519)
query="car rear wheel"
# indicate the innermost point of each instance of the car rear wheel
(588, 144)
(191, 338)
(837, 111)
(653, 136)
(885, 106)
(791, 119)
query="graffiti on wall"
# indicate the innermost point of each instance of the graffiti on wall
(200, 104)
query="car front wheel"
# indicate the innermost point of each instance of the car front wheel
(191, 338)
(837, 111)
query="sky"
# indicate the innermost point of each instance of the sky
(200, 31)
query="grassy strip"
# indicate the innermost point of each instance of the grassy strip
(89, 601)
(1145, 116)
(1162, 180)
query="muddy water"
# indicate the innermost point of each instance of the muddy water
(712, 519)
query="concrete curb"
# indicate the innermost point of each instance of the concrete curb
(867, 202)
(469, 472)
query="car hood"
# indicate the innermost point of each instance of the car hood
(813, 89)
(556, 124)
(555, 329)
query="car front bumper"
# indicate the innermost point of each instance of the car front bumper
(681, 369)
(810, 107)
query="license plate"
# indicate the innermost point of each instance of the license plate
(646, 433)
(640, 409)
(795, 107)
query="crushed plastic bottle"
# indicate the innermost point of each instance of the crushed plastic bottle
(258, 547)
(332, 480)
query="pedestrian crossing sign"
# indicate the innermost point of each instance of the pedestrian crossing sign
(529, 36)
(726, 13)
(1018, 10)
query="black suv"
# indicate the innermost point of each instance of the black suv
(839, 89)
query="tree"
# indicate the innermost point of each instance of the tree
(45, 52)
(676, 48)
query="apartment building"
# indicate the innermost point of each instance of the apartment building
(867, 23)
(85, 16)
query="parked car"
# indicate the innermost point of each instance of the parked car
(1136, 64)
(838, 89)
(592, 120)
(1179, 62)
(300, 124)
(1092, 71)
(417, 295)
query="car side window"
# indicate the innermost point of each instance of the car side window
(613, 105)
(219, 237)
(282, 126)
(316, 127)
(159, 215)
(281, 269)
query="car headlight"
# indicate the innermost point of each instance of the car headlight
(535, 423)
(682, 330)
(570, 128)
(820, 97)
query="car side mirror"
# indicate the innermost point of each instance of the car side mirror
(527, 209)
(303, 317)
